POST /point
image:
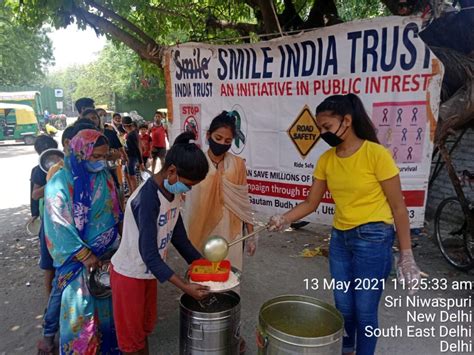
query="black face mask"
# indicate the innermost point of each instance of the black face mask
(332, 138)
(217, 148)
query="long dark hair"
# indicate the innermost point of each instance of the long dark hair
(224, 119)
(351, 104)
(189, 159)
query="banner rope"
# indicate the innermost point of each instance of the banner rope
(275, 34)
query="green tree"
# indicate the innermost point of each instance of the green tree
(24, 52)
(66, 79)
(117, 71)
(148, 26)
(355, 9)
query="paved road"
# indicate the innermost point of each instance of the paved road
(16, 162)
(21, 295)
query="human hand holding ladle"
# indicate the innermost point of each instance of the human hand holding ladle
(217, 248)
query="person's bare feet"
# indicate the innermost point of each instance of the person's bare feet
(242, 345)
(46, 346)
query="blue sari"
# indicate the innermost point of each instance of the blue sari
(82, 210)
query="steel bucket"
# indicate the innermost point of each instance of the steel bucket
(210, 328)
(294, 324)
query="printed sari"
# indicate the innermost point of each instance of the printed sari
(82, 213)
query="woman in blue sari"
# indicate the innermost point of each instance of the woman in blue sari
(81, 225)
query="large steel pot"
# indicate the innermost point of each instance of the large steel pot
(211, 326)
(294, 324)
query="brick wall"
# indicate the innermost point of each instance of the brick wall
(463, 158)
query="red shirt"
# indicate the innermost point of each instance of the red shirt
(158, 136)
(145, 143)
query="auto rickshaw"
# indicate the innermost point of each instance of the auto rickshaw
(18, 123)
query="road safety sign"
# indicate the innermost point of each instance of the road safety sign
(303, 132)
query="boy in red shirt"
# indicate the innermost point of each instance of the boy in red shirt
(145, 143)
(159, 134)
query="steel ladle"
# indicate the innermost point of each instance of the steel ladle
(217, 248)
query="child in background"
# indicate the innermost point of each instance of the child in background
(133, 152)
(38, 181)
(152, 220)
(65, 138)
(145, 143)
(159, 134)
(118, 127)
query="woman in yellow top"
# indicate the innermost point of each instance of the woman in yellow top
(365, 185)
(220, 205)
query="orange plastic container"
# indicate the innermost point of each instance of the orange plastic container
(196, 276)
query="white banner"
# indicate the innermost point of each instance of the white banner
(275, 86)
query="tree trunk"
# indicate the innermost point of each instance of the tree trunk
(457, 67)
(290, 19)
(457, 112)
(270, 19)
(320, 10)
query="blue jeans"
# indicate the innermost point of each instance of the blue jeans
(53, 311)
(355, 255)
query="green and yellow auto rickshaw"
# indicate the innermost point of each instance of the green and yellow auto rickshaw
(18, 123)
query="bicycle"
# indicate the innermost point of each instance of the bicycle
(454, 229)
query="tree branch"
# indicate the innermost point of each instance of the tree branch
(457, 112)
(457, 67)
(252, 3)
(321, 10)
(148, 51)
(409, 7)
(169, 11)
(124, 22)
(243, 28)
(290, 18)
(392, 5)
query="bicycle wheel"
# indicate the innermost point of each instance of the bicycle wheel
(452, 234)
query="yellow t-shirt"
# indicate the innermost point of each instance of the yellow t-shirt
(354, 183)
